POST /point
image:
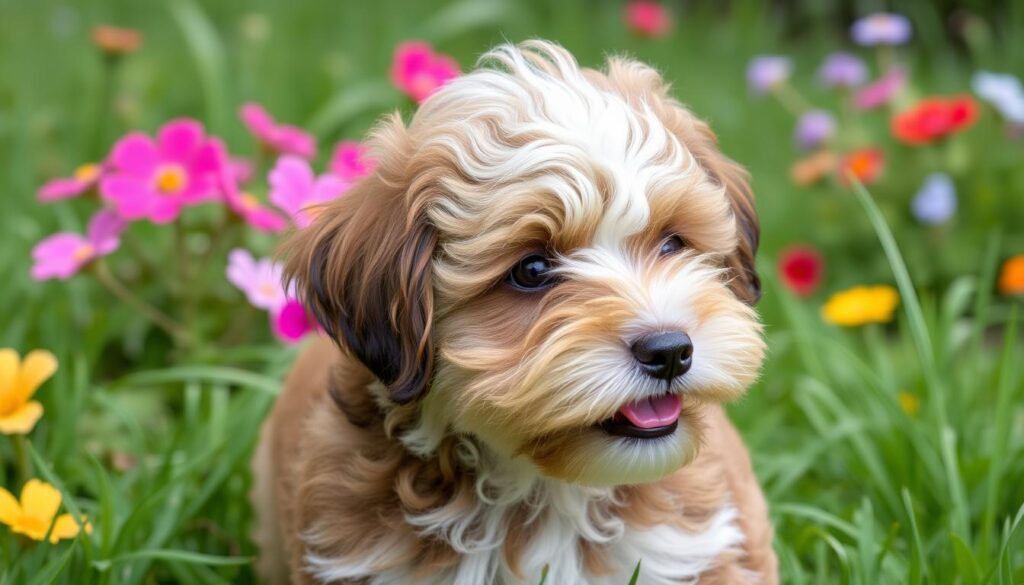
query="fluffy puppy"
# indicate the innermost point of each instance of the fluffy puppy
(538, 301)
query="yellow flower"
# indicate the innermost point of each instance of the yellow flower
(909, 403)
(19, 380)
(1011, 279)
(861, 305)
(34, 514)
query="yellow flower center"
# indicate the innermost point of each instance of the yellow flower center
(87, 172)
(170, 179)
(268, 290)
(83, 253)
(250, 202)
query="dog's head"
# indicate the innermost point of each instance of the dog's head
(555, 260)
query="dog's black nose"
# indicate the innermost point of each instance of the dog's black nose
(664, 355)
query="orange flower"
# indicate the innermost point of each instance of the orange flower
(934, 118)
(865, 164)
(1011, 279)
(810, 170)
(37, 510)
(116, 41)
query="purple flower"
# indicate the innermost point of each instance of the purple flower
(292, 322)
(62, 255)
(842, 70)
(814, 129)
(935, 202)
(766, 72)
(881, 28)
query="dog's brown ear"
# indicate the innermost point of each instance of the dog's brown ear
(746, 284)
(364, 269)
(645, 87)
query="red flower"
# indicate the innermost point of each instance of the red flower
(934, 118)
(865, 164)
(801, 269)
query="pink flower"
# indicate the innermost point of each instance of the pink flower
(84, 178)
(282, 138)
(419, 71)
(244, 204)
(351, 161)
(155, 180)
(879, 92)
(292, 322)
(261, 280)
(62, 255)
(648, 18)
(242, 169)
(298, 192)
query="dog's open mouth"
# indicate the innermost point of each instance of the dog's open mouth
(647, 418)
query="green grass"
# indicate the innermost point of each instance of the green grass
(151, 440)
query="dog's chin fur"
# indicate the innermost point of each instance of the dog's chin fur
(480, 410)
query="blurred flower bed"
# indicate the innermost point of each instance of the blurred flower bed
(888, 430)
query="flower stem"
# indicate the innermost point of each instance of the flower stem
(21, 459)
(156, 316)
(791, 100)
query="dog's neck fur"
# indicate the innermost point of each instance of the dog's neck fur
(508, 523)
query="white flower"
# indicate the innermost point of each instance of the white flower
(1002, 90)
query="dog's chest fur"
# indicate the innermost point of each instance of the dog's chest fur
(581, 535)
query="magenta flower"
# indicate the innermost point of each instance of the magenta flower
(298, 192)
(766, 72)
(418, 71)
(84, 179)
(351, 161)
(292, 322)
(648, 18)
(242, 169)
(881, 28)
(280, 138)
(842, 70)
(244, 204)
(879, 92)
(155, 180)
(814, 129)
(260, 280)
(64, 254)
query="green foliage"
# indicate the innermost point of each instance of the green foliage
(150, 440)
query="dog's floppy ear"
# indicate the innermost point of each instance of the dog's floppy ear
(643, 85)
(364, 269)
(746, 284)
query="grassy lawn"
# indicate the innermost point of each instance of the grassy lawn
(890, 453)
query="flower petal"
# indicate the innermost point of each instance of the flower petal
(9, 362)
(55, 257)
(61, 189)
(36, 368)
(104, 229)
(135, 154)
(178, 139)
(132, 197)
(40, 499)
(66, 527)
(22, 420)
(10, 509)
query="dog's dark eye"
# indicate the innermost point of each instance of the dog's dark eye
(532, 272)
(671, 245)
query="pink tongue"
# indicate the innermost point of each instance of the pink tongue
(649, 413)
